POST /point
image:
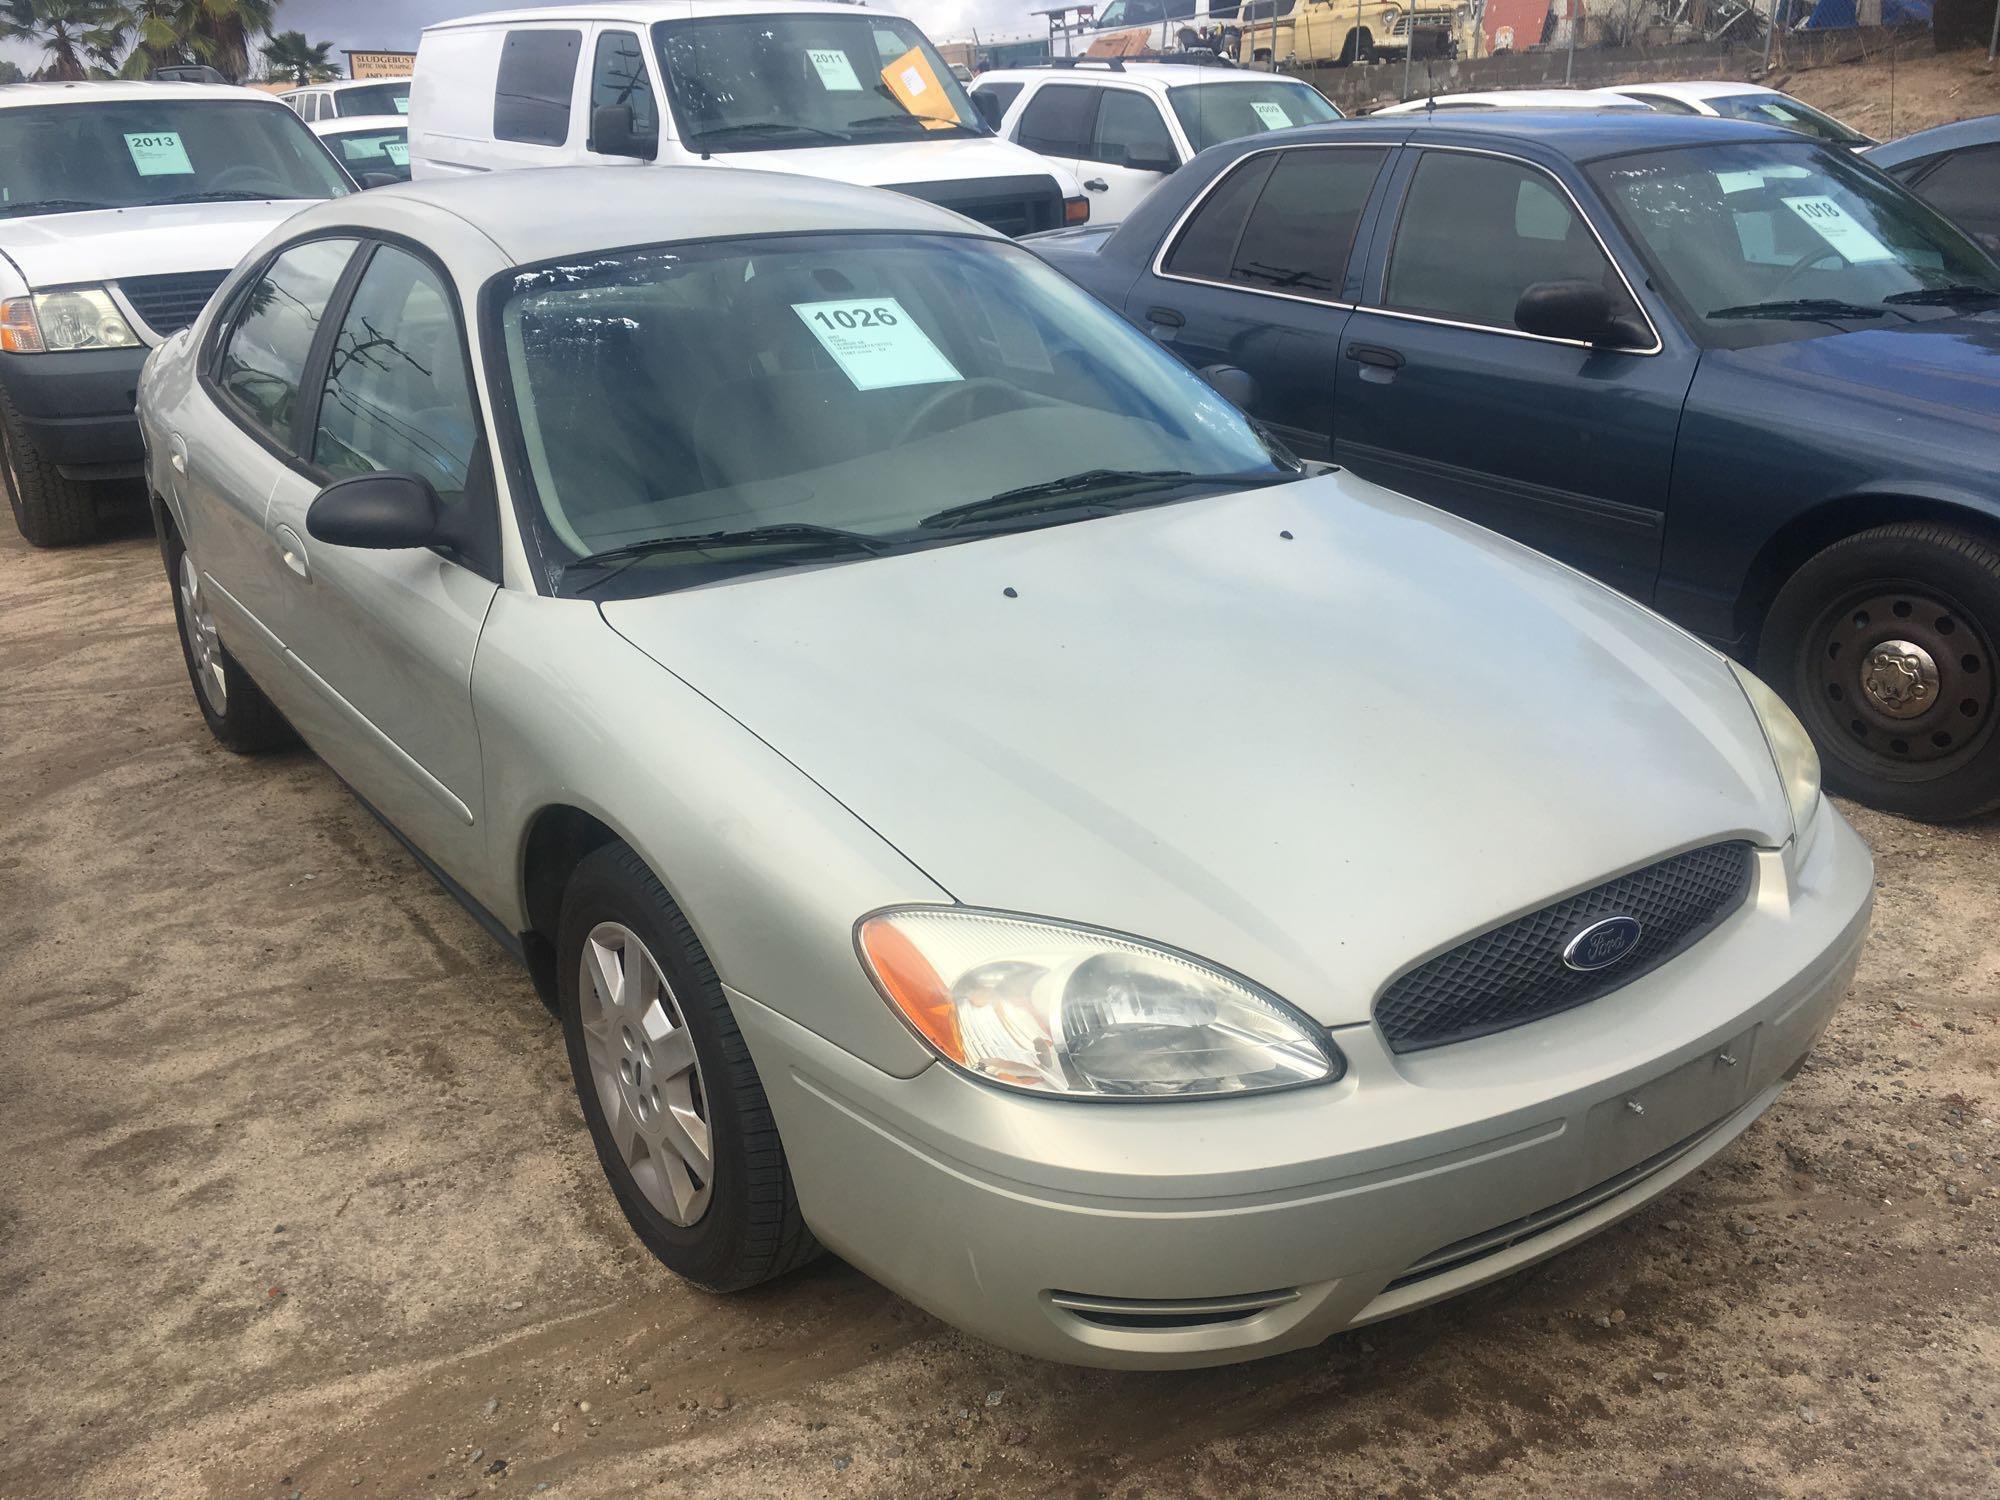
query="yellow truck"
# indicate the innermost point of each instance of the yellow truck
(1347, 31)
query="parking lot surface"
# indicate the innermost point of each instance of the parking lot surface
(295, 1198)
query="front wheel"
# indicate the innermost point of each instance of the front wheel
(1883, 643)
(50, 510)
(674, 1105)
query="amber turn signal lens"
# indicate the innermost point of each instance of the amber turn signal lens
(19, 332)
(1076, 211)
(909, 983)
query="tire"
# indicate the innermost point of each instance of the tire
(726, 1224)
(1884, 645)
(235, 708)
(50, 510)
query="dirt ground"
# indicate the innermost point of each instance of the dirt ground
(1922, 89)
(295, 1199)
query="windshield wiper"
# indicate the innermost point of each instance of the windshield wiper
(220, 195)
(1945, 296)
(792, 534)
(1065, 493)
(768, 127)
(1806, 309)
(51, 206)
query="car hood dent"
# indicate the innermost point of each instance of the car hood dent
(1314, 761)
(893, 163)
(152, 240)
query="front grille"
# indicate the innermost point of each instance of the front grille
(169, 303)
(1515, 973)
(1013, 205)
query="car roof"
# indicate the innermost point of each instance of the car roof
(644, 12)
(1982, 131)
(1600, 99)
(1695, 90)
(336, 85)
(1579, 134)
(549, 213)
(21, 95)
(360, 124)
(1157, 75)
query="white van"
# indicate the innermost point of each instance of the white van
(819, 89)
(349, 97)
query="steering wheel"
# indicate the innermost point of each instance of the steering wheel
(1803, 264)
(246, 177)
(982, 390)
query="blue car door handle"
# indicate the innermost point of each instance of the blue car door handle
(1370, 354)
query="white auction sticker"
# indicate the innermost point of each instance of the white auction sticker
(159, 154)
(836, 73)
(913, 81)
(403, 104)
(876, 344)
(1273, 115)
(397, 152)
(1839, 229)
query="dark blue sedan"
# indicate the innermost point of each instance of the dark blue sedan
(1737, 375)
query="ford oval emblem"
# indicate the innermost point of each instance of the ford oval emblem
(1602, 944)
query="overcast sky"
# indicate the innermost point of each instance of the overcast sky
(392, 25)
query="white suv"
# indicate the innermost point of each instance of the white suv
(122, 208)
(350, 97)
(1121, 127)
(819, 89)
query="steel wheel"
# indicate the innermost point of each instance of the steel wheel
(1907, 677)
(204, 643)
(648, 1080)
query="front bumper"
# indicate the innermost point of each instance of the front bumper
(1179, 1234)
(79, 408)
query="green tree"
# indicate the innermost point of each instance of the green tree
(291, 56)
(157, 31)
(223, 31)
(73, 34)
(10, 72)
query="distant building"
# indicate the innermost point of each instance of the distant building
(381, 64)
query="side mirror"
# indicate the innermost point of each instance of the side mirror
(1579, 310)
(378, 180)
(1232, 385)
(614, 132)
(1150, 159)
(384, 512)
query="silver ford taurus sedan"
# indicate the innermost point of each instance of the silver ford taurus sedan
(976, 804)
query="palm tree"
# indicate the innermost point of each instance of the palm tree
(291, 55)
(157, 30)
(222, 31)
(73, 34)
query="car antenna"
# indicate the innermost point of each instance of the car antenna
(1430, 82)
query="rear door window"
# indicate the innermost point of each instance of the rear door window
(1058, 120)
(537, 81)
(264, 358)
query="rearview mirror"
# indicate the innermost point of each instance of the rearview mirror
(615, 132)
(384, 512)
(1579, 310)
(1232, 385)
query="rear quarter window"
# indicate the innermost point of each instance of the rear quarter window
(536, 83)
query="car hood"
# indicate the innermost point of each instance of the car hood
(894, 163)
(1943, 367)
(1315, 760)
(152, 240)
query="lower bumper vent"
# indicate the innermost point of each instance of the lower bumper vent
(1165, 1315)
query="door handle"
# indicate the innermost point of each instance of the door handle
(293, 551)
(177, 450)
(1165, 317)
(1370, 354)
(1098, 185)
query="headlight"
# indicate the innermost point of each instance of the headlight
(56, 322)
(1791, 748)
(1066, 1010)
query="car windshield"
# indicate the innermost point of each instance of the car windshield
(1763, 242)
(378, 99)
(70, 158)
(1211, 113)
(384, 152)
(856, 392)
(769, 82)
(1778, 109)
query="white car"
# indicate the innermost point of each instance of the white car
(801, 86)
(122, 208)
(1122, 127)
(375, 149)
(1517, 99)
(1746, 101)
(350, 97)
